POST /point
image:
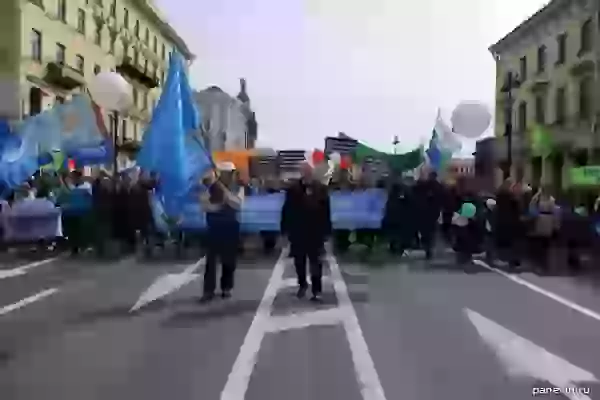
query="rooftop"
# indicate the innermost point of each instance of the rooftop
(529, 24)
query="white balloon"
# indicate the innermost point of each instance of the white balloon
(111, 91)
(471, 119)
(336, 158)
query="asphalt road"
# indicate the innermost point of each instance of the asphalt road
(409, 329)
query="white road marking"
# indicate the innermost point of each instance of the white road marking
(167, 284)
(364, 367)
(22, 270)
(332, 316)
(264, 322)
(26, 301)
(574, 306)
(523, 358)
(239, 377)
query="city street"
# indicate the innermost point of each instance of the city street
(410, 329)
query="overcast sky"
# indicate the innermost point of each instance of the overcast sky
(370, 68)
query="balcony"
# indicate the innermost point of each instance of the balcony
(130, 146)
(583, 67)
(136, 72)
(63, 76)
(539, 85)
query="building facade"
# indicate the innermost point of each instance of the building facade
(228, 123)
(51, 48)
(552, 59)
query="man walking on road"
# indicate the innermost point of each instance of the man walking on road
(306, 221)
(221, 202)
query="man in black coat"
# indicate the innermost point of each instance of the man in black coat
(306, 220)
(428, 198)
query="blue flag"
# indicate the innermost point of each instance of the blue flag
(169, 146)
(434, 153)
(66, 127)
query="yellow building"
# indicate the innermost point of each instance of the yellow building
(554, 57)
(50, 48)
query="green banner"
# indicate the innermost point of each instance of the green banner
(585, 176)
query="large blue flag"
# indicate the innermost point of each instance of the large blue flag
(169, 146)
(66, 127)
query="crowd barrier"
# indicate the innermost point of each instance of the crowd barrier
(349, 210)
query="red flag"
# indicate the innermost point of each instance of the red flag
(346, 162)
(318, 157)
(71, 164)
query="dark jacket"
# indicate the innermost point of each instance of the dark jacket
(399, 209)
(306, 213)
(429, 199)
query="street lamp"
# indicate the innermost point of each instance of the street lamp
(395, 143)
(113, 93)
(511, 82)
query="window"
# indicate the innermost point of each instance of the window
(36, 45)
(112, 123)
(60, 100)
(113, 41)
(98, 35)
(522, 117)
(136, 29)
(61, 52)
(561, 42)
(541, 59)
(135, 97)
(81, 21)
(560, 105)
(144, 101)
(123, 129)
(155, 45)
(146, 66)
(136, 58)
(164, 52)
(62, 10)
(585, 86)
(147, 37)
(135, 131)
(126, 18)
(523, 68)
(113, 9)
(540, 109)
(79, 63)
(585, 44)
(97, 69)
(35, 101)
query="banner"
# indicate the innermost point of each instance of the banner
(349, 210)
(585, 176)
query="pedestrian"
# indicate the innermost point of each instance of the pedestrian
(306, 220)
(221, 202)
(399, 218)
(102, 206)
(545, 227)
(428, 197)
(507, 225)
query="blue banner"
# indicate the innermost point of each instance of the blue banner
(349, 210)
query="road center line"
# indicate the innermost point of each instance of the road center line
(26, 301)
(562, 300)
(364, 367)
(23, 269)
(239, 377)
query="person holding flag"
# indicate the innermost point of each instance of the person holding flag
(221, 202)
